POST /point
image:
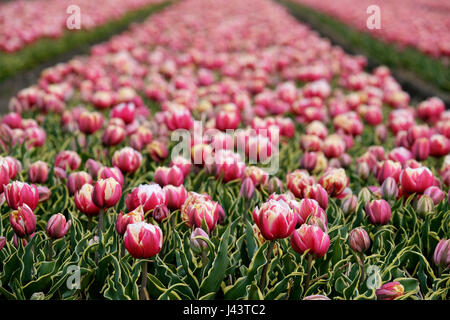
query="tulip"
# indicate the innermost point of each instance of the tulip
(349, 204)
(311, 143)
(4, 174)
(182, 163)
(83, 200)
(123, 220)
(57, 226)
(143, 240)
(380, 133)
(178, 117)
(416, 180)
(157, 151)
(19, 193)
(67, 159)
(275, 185)
(390, 291)
(421, 149)
(160, 213)
(378, 211)
(38, 172)
(387, 169)
(198, 246)
(424, 205)
(175, 196)
(202, 213)
(359, 240)
(316, 297)
(439, 145)
(228, 167)
(76, 180)
(363, 170)
(400, 154)
(113, 135)
(127, 160)
(334, 181)
(436, 194)
(106, 193)
(333, 146)
(275, 219)
(310, 238)
(147, 195)
(389, 189)
(12, 120)
(110, 172)
(309, 208)
(441, 254)
(165, 176)
(227, 120)
(35, 137)
(247, 189)
(93, 167)
(2, 242)
(298, 181)
(124, 111)
(23, 221)
(90, 122)
(259, 176)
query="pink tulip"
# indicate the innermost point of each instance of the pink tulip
(143, 240)
(148, 195)
(275, 219)
(67, 159)
(23, 221)
(311, 238)
(83, 200)
(390, 291)
(165, 176)
(378, 211)
(106, 193)
(416, 180)
(127, 159)
(124, 219)
(19, 193)
(76, 180)
(57, 226)
(175, 196)
(38, 172)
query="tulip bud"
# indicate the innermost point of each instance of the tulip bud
(275, 185)
(57, 226)
(424, 205)
(160, 213)
(106, 193)
(175, 196)
(2, 242)
(198, 245)
(113, 135)
(359, 240)
(165, 176)
(378, 211)
(416, 179)
(247, 189)
(435, 193)
(23, 221)
(68, 159)
(380, 133)
(390, 291)
(349, 204)
(123, 220)
(363, 170)
(182, 163)
(441, 254)
(76, 180)
(44, 193)
(90, 122)
(389, 189)
(93, 167)
(143, 240)
(38, 172)
(310, 238)
(318, 193)
(4, 174)
(83, 200)
(364, 195)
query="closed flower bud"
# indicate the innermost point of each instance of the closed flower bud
(127, 160)
(435, 193)
(424, 205)
(83, 200)
(389, 189)
(182, 163)
(349, 204)
(93, 167)
(57, 226)
(90, 122)
(38, 172)
(388, 169)
(23, 221)
(160, 213)
(124, 219)
(169, 175)
(363, 170)
(143, 240)
(124, 111)
(310, 238)
(390, 291)
(76, 180)
(198, 245)
(18, 193)
(359, 240)
(421, 149)
(378, 211)
(4, 174)
(258, 175)
(175, 196)
(106, 193)
(247, 188)
(380, 133)
(157, 151)
(44, 193)
(275, 219)
(275, 185)
(441, 254)
(201, 213)
(2, 242)
(113, 135)
(364, 195)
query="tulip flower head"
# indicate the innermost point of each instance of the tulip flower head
(143, 240)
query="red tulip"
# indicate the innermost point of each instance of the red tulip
(439, 145)
(67, 159)
(175, 196)
(310, 238)
(19, 193)
(416, 180)
(157, 151)
(106, 193)
(275, 219)
(143, 240)
(83, 200)
(113, 135)
(388, 168)
(147, 195)
(435, 193)
(90, 122)
(23, 221)
(124, 111)
(76, 180)
(4, 174)
(441, 254)
(390, 291)
(123, 220)
(182, 163)
(318, 193)
(178, 117)
(421, 149)
(38, 172)
(297, 182)
(110, 172)
(127, 159)
(57, 226)
(200, 213)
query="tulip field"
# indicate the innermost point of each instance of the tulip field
(221, 149)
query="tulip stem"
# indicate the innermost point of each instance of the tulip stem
(262, 283)
(308, 272)
(204, 261)
(100, 233)
(143, 294)
(50, 249)
(361, 259)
